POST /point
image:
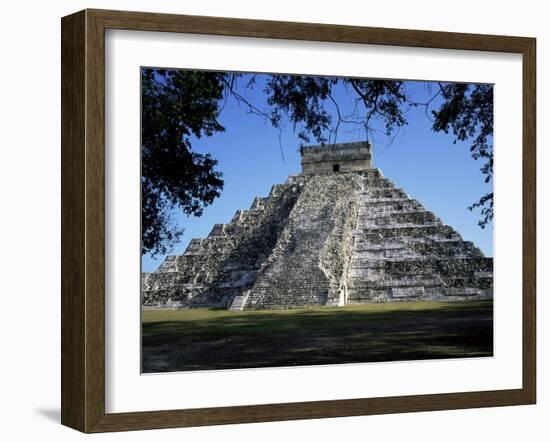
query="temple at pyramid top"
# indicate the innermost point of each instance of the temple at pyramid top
(345, 157)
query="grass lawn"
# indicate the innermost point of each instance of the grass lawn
(180, 340)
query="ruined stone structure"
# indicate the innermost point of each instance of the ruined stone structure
(338, 233)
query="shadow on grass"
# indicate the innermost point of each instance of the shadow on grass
(193, 340)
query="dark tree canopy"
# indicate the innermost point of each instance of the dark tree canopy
(467, 110)
(176, 105)
(180, 105)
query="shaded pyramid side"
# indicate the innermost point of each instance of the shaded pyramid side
(213, 271)
(403, 252)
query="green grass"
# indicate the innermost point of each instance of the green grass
(178, 340)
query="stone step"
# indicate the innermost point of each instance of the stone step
(357, 284)
(373, 184)
(413, 293)
(447, 266)
(381, 194)
(405, 204)
(399, 220)
(364, 253)
(169, 264)
(258, 203)
(387, 209)
(427, 232)
(239, 301)
(364, 281)
(195, 247)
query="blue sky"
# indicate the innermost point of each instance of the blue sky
(427, 165)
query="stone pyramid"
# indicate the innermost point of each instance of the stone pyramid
(338, 233)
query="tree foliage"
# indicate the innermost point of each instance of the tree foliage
(178, 106)
(467, 111)
(304, 100)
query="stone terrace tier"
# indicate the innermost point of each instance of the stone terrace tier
(401, 251)
(323, 239)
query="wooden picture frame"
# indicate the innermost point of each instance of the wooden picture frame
(83, 220)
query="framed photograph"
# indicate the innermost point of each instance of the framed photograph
(268, 221)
